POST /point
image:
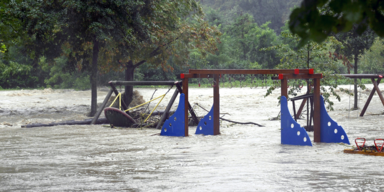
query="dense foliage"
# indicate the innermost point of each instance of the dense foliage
(41, 45)
(317, 19)
(312, 55)
(274, 11)
(126, 33)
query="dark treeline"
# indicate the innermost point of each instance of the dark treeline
(274, 11)
(248, 35)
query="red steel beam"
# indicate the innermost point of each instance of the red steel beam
(190, 75)
(362, 76)
(287, 75)
(301, 76)
(246, 71)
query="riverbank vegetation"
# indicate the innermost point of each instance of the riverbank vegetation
(78, 44)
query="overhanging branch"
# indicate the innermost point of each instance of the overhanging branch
(139, 63)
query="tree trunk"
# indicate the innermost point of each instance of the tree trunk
(308, 120)
(129, 72)
(95, 55)
(355, 83)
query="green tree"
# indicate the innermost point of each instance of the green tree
(10, 28)
(240, 30)
(354, 46)
(13, 55)
(373, 59)
(15, 75)
(3, 48)
(263, 11)
(18, 70)
(63, 79)
(241, 43)
(84, 25)
(312, 55)
(179, 28)
(317, 19)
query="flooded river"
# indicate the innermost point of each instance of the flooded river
(242, 158)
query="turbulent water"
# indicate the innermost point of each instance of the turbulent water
(242, 158)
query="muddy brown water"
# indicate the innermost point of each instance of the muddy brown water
(242, 158)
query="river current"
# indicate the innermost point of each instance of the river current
(242, 158)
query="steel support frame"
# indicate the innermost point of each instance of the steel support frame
(375, 89)
(286, 73)
(316, 99)
(375, 78)
(133, 83)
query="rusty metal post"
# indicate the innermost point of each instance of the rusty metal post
(294, 110)
(216, 106)
(316, 112)
(193, 114)
(303, 103)
(124, 105)
(165, 115)
(311, 117)
(185, 91)
(284, 88)
(369, 98)
(94, 120)
(376, 85)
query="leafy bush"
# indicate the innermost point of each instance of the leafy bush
(61, 79)
(16, 75)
